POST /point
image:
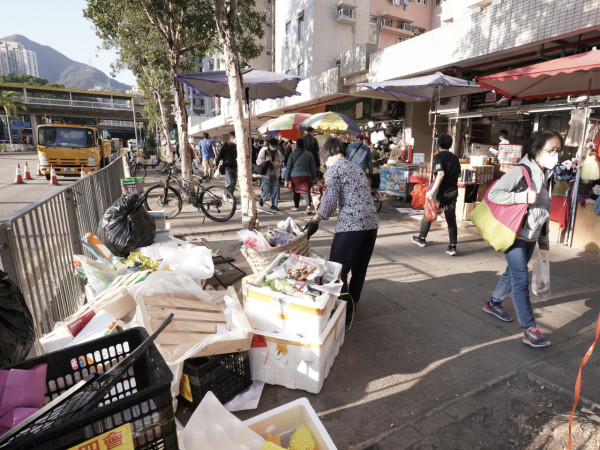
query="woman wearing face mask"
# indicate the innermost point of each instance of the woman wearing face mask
(356, 229)
(543, 150)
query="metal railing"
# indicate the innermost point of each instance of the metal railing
(37, 244)
(121, 105)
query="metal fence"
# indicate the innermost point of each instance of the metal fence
(37, 244)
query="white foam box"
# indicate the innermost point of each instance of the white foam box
(285, 420)
(296, 363)
(274, 311)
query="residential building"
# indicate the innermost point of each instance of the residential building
(15, 58)
(334, 45)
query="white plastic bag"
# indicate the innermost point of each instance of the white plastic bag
(540, 279)
(195, 261)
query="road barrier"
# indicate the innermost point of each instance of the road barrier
(37, 244)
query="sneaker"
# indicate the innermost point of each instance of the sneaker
(260, 202)
(274, 208)
(496, 310)
(534, 338)
(419, 241)
(451, 250)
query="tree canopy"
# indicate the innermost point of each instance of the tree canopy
(29, 80)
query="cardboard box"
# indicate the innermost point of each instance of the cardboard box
(285, 420)
(296, 363)
(273, 311)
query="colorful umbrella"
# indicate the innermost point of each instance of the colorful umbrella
(330, 121)
(287, 126)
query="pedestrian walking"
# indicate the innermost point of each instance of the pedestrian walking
(446, 168)
(543, 149)
(360, 154)
(300, 172)
(270, 181)
(356, 229)
(228, 160)
(207, 147)
(287, 151)
(312, 145)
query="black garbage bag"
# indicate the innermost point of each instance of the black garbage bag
(16, 324)
(126, 225)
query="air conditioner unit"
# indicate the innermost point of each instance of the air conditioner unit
(405, 26)
(386, 23)
(344, 12)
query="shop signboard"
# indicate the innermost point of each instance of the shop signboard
(19, 124)
(394, 180)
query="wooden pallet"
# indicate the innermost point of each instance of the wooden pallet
(196, 321)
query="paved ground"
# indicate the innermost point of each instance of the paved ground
(423, 366)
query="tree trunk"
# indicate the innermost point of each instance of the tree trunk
(181, 118)
(225, 25)
(8, 127)
(165, 126)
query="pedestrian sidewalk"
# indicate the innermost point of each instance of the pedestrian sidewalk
(421, 349)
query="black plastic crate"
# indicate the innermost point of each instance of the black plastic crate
(225, 375)
(225, 272)
(143, 397)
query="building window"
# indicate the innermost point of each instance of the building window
(301, 71)
(421, 2)
(288, 31)
(301, 26)
(439, 2)
(344, 12)
(386, 23)
(402, 39)
(373, 30)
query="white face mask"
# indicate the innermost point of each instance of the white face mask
(233, 141)
(328, 163)
(548, 161)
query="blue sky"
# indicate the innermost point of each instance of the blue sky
(61, 25)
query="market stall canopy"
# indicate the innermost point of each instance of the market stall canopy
(261, 84)
(556, 78)
(426, 87)
(330, 121)
(287, 126)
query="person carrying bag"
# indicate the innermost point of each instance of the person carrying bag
(534, 171)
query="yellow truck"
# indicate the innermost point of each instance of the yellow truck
(68, 147)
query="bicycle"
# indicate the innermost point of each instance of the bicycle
(135, 168)
(216, 202)
(377, 200)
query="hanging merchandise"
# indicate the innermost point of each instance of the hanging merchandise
(590, 171)
(576, 128)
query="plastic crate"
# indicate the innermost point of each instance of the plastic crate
(142, 399)
(132, 185)
(225, 375)
(225, 272)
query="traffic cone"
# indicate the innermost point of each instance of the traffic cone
(83, 174)
(18, 177)
(39, 172)
(27, 173)
(53, 179)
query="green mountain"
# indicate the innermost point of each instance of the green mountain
(57, 68)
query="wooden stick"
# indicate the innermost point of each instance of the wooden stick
(182, 303)
(184, 325)
(159, 311)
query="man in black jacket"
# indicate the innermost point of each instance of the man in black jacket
(228, 157)
(312, 145)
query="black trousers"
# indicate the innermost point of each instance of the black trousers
(449, 209)
(353, 250)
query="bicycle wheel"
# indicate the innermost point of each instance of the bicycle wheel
(140, 169)
(377, 200)
(158, 197)
(217, 203)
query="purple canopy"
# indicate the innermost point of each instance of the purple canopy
(426, 87)
(262, 85)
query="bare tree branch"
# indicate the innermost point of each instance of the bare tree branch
(154, 22)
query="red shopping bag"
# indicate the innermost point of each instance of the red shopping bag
(431, 210)
(418, 195)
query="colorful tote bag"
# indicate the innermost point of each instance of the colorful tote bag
(499, 224)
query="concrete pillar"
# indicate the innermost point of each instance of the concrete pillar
(34, 123)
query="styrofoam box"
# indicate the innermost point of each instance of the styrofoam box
(273, 311)
(286, 419)
(286, 360)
